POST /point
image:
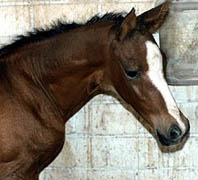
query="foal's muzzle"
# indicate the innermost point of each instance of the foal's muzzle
(174, 135)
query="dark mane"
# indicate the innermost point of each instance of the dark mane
(43, 33)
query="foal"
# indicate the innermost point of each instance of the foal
(48, 76)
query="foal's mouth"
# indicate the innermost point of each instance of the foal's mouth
(172, 141)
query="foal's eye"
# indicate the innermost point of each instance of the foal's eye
(132, 74)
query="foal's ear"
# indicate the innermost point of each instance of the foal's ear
(128, 24)
(155, 17)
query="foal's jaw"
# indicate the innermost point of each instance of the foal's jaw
(178, 129)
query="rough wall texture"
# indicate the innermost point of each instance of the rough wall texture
(179, 38)
(104, 141)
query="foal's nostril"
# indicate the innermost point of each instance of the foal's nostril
(174, 132)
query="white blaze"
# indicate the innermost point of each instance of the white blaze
(155, 74)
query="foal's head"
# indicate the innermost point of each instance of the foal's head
(137, 74)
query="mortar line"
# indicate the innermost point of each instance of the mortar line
(135, 135)
(22, 3)
(100, 7)
(32, 17)
(125, 169)
(5, 4)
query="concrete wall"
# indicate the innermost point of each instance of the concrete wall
(179, 37)
(104, 141)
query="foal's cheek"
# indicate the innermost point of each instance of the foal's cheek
(137, 91)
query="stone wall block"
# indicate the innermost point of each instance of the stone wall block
(125, 7)
(73, 154)
(14, 20)
(47, 14)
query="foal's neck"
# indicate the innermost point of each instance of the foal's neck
(69, 66)
(81, 74)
